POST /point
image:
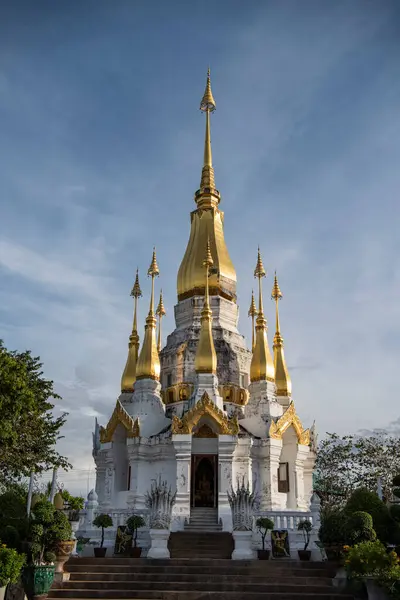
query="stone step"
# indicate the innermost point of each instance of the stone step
(83, 594)
(194, 577)
(201, 585)
(269, 569)
(134, 563)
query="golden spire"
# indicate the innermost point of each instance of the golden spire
(206, 358)
(262, 365)
(282, 379)
(252, 313)
(129, 374)
(160, 312)
(148, 366)
(207, 195)
(207, 222)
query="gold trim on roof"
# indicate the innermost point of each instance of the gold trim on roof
(205, 406)
(120, 416)
(289, 418)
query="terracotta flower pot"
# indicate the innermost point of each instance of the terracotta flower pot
(263, 554)
(37, 580)
(100, 552)
(63, 552)
(304, 554)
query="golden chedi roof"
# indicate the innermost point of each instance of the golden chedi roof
(129, 374)
(148, 365)
(206, 357)
(282, 379)
(207, 223)
(262, 365)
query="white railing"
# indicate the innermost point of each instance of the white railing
(286, 519)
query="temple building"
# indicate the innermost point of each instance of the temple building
(205, 411)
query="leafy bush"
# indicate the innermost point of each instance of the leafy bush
(369, 559)
(133, 524)
(264, 525)
(332, 531)
(11, 564)
(10, 536)
(359, 527)
(74, 503)
(306, 527)
(390, 581)
(48, 527)
(366, 501)
(102, 521)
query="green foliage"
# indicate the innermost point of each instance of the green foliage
(369, 559)
(366, 501)
(102, 521)
(346, 463)
(332, 531)
(29, 430)
(74, 503)
(389, 580)
(359, 528)
(133, 524)
(48, 527)
(264, 524)
(10, 537)
(11, 563)
(306, 527)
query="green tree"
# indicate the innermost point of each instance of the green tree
(347, 463)
(28, 428)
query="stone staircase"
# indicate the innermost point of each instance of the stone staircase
(203, 519)
(209, 544)
(197, 579)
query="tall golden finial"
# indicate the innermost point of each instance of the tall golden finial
(252, 313)
(262, 365)
(148, 366)
(160, 312)
(129, 374)
(207, 194)
(282, 378)
(206, 358)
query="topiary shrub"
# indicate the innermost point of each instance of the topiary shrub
(359, 528)
(332, 531)
(364, 500)
(102, 521)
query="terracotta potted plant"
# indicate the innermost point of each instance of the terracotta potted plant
(61, 541)
(38, 574)
(305, 527)
(11, 563)
(134, 523)
(102, 521)
(264, 525)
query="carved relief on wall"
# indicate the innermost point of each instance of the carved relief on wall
(205, 406)
(120, 416)
(177, 393)
(204, 432)
(289, 418)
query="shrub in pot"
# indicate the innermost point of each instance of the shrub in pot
(332, 533)
(60, 539)
(384, 525)
(359, 528)
(306, 527)
(371, 563)
(133, 524)
(11, 563)
(264, 525)
(102, 521)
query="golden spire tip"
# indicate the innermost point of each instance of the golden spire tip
(276, 293)
(136, 292)
(153, 269)
(207, 103)
(259, 271)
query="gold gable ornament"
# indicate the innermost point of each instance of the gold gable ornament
(289, 418)
(205, 407)
(120, 416)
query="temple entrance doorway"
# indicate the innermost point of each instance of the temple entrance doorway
(204, 484)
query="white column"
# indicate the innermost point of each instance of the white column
(226, 447)
(269, 457)
(302, 455)
(183, 451)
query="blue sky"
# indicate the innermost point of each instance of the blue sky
(100, 154)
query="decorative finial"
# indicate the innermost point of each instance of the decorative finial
(262, 365)
(129, 375)
(136, 291)
(253, 312)
(206, 357)
(160, 312)
(148, 366)
(207, 103)
(282, 378)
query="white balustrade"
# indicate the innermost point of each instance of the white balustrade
(286, 519)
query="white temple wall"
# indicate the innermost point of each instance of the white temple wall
(120, 459)
(205, 445)
(242, 468)
(289, 455)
